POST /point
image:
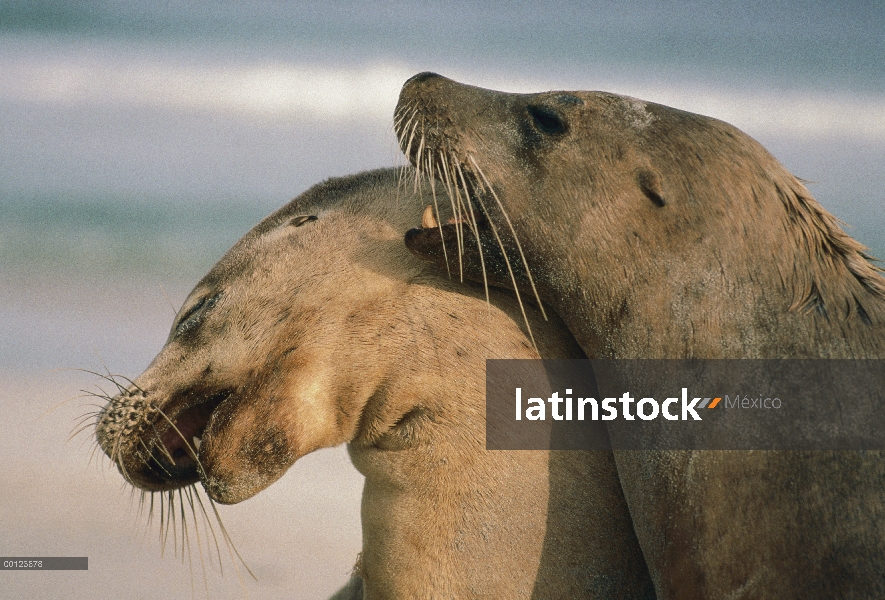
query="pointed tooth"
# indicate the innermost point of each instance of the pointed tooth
(428, 221)
(197, 442)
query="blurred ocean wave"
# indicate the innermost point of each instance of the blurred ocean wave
(147, 157)
(113, 74)
(113, 236)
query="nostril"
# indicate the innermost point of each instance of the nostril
(421, 77)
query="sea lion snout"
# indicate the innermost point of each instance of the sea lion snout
(154, 433)
(424, 116)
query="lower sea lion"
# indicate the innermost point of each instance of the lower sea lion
(657, 233)
(319, 328)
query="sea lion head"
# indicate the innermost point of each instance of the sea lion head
(272, 355)
(524, 165)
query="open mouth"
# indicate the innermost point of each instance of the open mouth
(175, 457)
(428, 240)
(455, 247)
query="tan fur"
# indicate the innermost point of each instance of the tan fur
(324, 331)
(657, 233)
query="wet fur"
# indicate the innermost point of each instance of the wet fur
(312, 332)
(657, 233)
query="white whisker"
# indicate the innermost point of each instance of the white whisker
(232, 550)
(507, 262)
(482, 260)
(408, 148)
(515, 237)
(418, 156)
(190, 501)
(438, 219)
(456, 209)
(211, 530)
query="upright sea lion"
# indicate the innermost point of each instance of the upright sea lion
(319, 328)
(657, 233)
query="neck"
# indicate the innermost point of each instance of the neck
(802, 288)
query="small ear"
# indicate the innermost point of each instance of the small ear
(650, 184)
(302, 219)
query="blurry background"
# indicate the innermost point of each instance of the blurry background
(139, 140)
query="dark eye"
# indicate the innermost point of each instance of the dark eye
(194, 315)
(546, 120)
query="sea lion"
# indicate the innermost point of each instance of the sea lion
(658, 233)
(319, 328)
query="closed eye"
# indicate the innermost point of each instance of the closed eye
(302, 219)
(194, 315)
